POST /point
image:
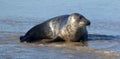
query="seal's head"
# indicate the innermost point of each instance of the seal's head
(76, 19)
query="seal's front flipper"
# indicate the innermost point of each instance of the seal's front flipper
(84, 40)
(57, 39)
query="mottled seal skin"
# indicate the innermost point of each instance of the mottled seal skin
(70, 28)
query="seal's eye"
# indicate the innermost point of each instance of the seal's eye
(80, 17)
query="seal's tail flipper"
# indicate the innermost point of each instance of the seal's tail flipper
(22, 38)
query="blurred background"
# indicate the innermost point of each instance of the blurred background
(104, 14)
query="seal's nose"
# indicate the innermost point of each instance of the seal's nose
(88, 22)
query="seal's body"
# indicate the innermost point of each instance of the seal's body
(66, 27)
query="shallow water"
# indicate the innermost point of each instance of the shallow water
(11, 48)
(17, 17)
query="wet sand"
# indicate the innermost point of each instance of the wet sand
(11, 48)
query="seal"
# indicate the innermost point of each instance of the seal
(69, 28)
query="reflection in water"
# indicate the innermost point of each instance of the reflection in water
(104, 42)
(102, 37)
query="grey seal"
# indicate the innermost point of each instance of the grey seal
(69, 28)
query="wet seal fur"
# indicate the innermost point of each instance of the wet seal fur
(69, 28)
